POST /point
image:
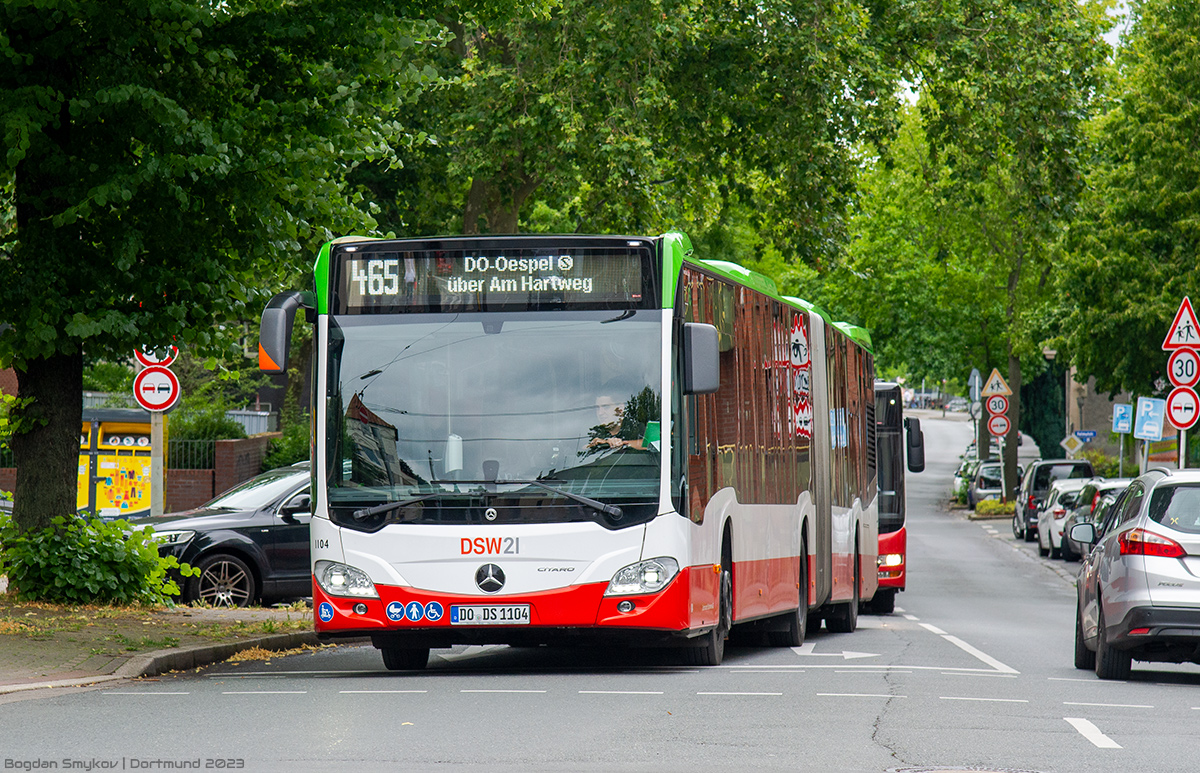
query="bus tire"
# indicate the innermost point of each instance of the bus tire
(843, 618)
(797, 621)
(884, 602)
(404, 658)
(712, 651)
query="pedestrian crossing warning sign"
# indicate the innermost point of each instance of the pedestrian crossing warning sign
(995, 385)
(1184, 332)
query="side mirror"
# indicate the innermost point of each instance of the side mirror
(914, 441)
(1084, 533)
(701, 359)
(301, 504)
(275, 329)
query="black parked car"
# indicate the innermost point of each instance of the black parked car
(1034, 486)
(249, 543)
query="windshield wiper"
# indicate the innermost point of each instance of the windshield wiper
(369, 512)
(612, 510)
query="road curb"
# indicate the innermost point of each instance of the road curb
(175, 659)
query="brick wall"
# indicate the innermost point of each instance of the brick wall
(187, 489)
(239, 460)
(8, 478)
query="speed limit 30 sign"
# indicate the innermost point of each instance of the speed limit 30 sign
(997, 404)
(1184, 367)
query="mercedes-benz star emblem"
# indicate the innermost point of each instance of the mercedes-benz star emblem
(490, 514)
(489, 578)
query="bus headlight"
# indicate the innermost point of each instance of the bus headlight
(890, 560)
(643, 577)
(342, 580)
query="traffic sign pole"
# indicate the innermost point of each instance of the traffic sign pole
(157, 481)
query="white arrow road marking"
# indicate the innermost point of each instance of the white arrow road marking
(1092, 733)
(807, 649)
(962, 645)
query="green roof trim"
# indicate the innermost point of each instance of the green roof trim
(859, 334)
(807, 306)
(321, 278)
(676, 246)
(752, 279)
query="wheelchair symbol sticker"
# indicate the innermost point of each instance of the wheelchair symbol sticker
(433, 611)
(325, 612)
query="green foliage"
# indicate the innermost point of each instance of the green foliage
(641, 117)
(994, 507)
(1043, 415)
(1133, 250)
(83, 562)
(1103, 465)
(206, 422)
(114, 377)
(291, 447)
(166, 163)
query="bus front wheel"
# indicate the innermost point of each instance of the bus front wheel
(405, 658)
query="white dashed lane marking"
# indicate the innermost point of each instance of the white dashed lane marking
(984, 700)
(1110, 705)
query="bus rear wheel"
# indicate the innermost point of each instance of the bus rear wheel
(843, 618)
(405, 658)
(797, 622)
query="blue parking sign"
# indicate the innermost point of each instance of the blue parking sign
(1151, 413)
(1122, 418)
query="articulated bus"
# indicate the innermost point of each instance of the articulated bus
(535, 439)
(890, 427)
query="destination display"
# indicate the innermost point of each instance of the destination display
(374, 282)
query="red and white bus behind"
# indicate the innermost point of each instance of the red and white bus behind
(890, 427)
(530, 439)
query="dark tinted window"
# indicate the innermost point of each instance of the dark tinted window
(1049, 473)
(1177, 507)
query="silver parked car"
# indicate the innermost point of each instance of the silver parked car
(987, 482)
(1139, 587)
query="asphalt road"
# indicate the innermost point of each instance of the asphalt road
(975, 672)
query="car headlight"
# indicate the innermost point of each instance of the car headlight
(178, 537)
(643, 577)
(343, 580)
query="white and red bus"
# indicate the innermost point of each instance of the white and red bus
(526, 439)
(891, 443)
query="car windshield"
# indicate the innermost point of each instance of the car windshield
(1052, 472)
(460, 403)
(1177, 507)
(258, 492)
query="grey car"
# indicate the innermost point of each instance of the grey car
(1139, 587)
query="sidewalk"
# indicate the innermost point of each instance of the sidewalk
(44, 646)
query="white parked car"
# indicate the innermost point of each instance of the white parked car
(1058, 505)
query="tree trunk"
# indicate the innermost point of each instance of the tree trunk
(46, 441)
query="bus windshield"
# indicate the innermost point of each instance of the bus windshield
(486, 402)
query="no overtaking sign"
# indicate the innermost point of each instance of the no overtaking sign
(156, 388)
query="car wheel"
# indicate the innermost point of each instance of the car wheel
(1066, 552)
(1018, 532)
(405, 658)
(224, 581)
(1084, 658)
(1043, 552)
(1030, 535)
(1110, 663)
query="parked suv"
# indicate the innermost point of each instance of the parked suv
(1034, 486)
(1139, 587)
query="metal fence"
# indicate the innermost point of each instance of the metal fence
(191, 454)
